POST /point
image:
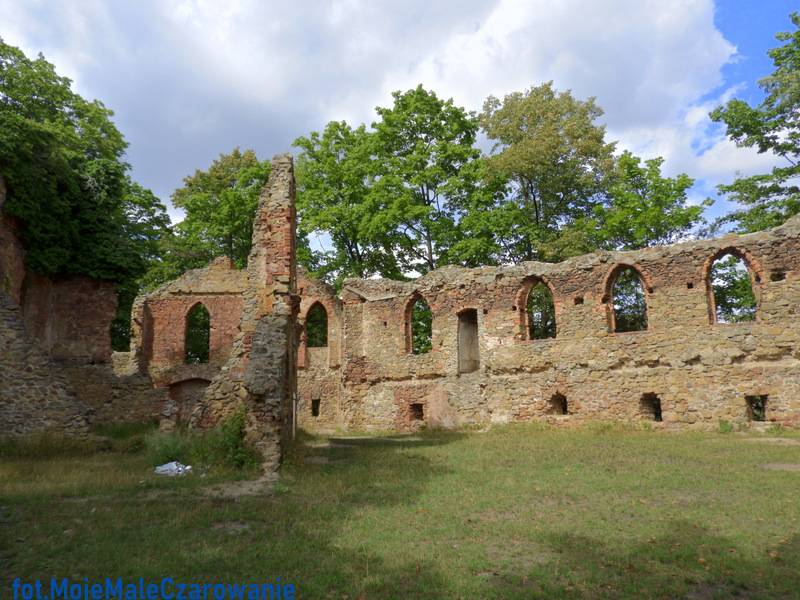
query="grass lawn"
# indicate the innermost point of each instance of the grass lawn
(517, 512)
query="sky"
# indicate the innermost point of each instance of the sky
(191, 79)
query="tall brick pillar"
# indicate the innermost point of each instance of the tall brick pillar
(260, 375)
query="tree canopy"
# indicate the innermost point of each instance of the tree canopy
(556, 161)
(61, 157)
(768, 199)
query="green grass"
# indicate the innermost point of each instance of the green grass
(518, 512)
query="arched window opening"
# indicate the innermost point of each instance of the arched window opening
(468, 349)
(198, 335)
(317, 326)
(558, 404)
(628, 302)
(732, 290)
(419, 327)
(541, 313)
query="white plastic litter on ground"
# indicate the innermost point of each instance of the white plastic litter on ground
(171, 469)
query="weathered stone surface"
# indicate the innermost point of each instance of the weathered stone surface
(35, 394)
(259, 374)
(366, 378)
(700, 370)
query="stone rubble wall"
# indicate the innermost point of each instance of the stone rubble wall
(35, 394)
(259, 376)
(56, 367)
(319, 376)
(700, 370)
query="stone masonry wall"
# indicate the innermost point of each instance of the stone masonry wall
(700, 370)
(259, 376)
(319, 377)
(56, 372)
(35, 394)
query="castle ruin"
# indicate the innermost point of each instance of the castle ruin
(683, 369)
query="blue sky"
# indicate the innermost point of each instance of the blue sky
(191, 79)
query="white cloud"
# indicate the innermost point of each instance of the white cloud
(194, 78)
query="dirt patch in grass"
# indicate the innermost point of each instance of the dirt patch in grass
(775, 440)
(232, 527)
(794, 467)
(263, 486)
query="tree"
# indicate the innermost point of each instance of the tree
(61, 157)
(146, 224)
(220, 205)
(556, 160)
(426, 167)
(773, 126)
(333, 192)
(643, 208)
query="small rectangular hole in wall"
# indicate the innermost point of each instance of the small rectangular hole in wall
(315, 407)
(578, 300)
(689, 285)
(416, 412)
(468, 350)
(777, 276)
(651, 406)
(486, 311)
(558, 405)
(756, 407)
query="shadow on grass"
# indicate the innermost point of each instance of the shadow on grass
(686, 561)
(303, 534)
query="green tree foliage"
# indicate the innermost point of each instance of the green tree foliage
(146, 224)
(630, 306)
(421, 327)
(734, 299)
(541, 313)
(317, 327)
(773, 126)
(198, 335)
(333, 198)
(220, 205)
(391, 198)
(557, 163)
(643, 208)
(426, 167)
(61, 158)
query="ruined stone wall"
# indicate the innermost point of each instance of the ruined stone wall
(55, 350)
(319, 378)
(159, 321)
(259, 377)
(71, 318)
(12, 255)
(700, 370)
(35, 394)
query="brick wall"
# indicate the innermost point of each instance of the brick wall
(700, 370)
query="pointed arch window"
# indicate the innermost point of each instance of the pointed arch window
(540, 312)
(732, 297)
(627, 301)
(198, 334)
(317, 326)
(419, 326)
